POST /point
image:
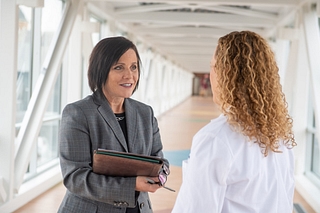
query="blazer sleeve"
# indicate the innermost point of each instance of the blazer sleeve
(76, 163)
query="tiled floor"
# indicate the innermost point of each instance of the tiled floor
(177, 128)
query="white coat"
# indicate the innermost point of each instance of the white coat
(228, 173)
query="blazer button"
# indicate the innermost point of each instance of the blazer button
(141, 205)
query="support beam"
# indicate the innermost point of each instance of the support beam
(8, 78)
(74, 86)
(270, 3)
(31, 3)
(90, 27)
(202, 19)
(181, 31)
(286, 33)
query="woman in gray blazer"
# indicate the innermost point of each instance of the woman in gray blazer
(108, 119)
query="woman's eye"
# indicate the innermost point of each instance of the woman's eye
(117, 68)
(134, 67)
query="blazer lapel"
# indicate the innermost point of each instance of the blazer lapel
(131, 121)
(106, 112)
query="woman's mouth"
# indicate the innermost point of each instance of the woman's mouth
(126, 85)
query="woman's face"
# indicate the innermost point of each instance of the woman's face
(213, 80)
(123, 77)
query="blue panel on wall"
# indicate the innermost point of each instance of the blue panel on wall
(176, 157)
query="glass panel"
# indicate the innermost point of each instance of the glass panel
(53, 108)
(24, 61)
(48, 136)
(51, 18)
(48, 142)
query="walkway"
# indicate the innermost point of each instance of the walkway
(177, 128)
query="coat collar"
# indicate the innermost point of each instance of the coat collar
(108, 115)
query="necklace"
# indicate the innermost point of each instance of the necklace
(120, 118)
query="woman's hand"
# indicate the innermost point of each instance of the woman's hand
(143, 185)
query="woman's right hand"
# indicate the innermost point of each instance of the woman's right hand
(143, 185)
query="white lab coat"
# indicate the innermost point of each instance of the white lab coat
(227, 173)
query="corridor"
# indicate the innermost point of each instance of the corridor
(177, 127)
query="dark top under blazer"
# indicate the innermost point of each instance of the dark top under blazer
(90, 124)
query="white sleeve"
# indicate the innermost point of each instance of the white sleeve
(204, 176)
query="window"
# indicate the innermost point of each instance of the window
(312, 154)
(96, 36)
(36, 31)
(48, 144)
(50, 20)
(24, 74)
(312, 149)
(314, 166)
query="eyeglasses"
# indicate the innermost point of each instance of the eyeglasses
(163, 174)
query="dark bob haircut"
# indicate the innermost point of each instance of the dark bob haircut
(105, 54)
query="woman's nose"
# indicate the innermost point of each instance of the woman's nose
(128, 73)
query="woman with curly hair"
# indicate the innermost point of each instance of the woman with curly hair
(242, 161)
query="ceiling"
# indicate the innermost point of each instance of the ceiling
(186, 32)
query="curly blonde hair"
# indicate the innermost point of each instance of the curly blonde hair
(250, 93)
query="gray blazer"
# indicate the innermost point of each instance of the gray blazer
(89, 124)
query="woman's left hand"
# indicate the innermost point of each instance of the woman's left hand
(143, 185)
